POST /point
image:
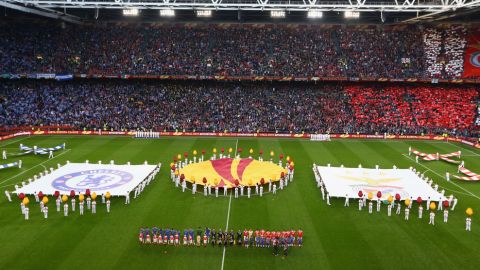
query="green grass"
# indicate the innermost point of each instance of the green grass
(334, 237)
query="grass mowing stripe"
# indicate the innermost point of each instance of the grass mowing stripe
(335, 237)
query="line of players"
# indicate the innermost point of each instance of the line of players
(247, 238)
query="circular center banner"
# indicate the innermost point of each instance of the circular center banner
(224, 172)
(102, 179)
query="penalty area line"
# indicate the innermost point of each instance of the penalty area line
(466, 149)
(14, 141)
(226, 228)
(470, 193)
(40, 164)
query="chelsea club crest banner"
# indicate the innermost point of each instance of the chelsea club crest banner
(98, 178)
(472, 57)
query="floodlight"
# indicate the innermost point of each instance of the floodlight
(352, 14)
(277, 14)
(204, 13)
(130, 12)
(167, 12)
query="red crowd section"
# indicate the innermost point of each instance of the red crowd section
(413, 108)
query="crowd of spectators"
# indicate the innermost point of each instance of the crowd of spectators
(432, 40)
(477, 122)
(234, 50)
(414, 110)
(455, 43)
(241, 106)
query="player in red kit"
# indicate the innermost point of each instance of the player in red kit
(300, 238)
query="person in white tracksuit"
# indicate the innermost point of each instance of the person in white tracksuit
(360, 204)
(432, 218)
(370, 207)
(65, 209)
(26, 212)
(57, 202)
(407, 213)
(94, 207)
(89, 203)
(468, 224)
(127, 198)
(45, 212)
(347, 201)
(81, 207)
(420, 211)
(73, 204)
(445, 215)
(389, 209)
(108, 206)
(455, 201)
(8, 196)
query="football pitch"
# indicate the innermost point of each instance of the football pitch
(335, 237)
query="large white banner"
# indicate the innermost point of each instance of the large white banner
(99, 178)
(341, 182)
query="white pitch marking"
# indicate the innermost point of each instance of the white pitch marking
(228, 213)
(473, 195)
(34, 167)
(21, 139)
(464, 148)
(226, 228)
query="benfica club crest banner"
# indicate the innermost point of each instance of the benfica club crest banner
(472, 57)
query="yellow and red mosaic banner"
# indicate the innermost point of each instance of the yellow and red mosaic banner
(226, 171)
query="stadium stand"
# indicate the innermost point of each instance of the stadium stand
(236, 50)
(245, 107)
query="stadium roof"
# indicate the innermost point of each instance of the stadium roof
(379, 11)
